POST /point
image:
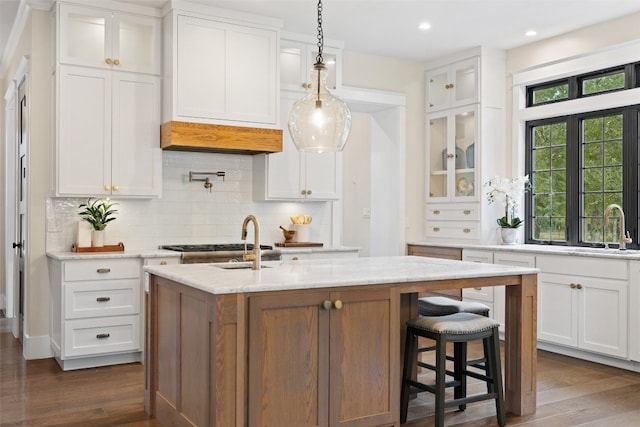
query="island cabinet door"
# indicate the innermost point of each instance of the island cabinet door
(289, 360)
(364, 365)
(324, 359)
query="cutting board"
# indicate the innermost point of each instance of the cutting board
(298, 244)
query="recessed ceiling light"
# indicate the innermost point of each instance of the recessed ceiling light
(531, 33)
(424, 26)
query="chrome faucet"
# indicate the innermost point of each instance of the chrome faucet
(624, 235)
(255, 256)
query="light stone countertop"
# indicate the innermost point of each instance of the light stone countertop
(612, 253)
(315, 274)
(161, 253)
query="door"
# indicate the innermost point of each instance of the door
(21, 219)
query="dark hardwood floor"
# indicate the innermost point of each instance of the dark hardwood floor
(37, 393)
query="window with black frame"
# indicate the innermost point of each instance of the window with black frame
(581, 163)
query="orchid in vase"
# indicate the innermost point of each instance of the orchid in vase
(509, 192)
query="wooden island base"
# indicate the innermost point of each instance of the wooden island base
(310, 357)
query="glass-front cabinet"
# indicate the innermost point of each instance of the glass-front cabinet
(296, 63)
(102, 38)
(451, 144)
(453, 85)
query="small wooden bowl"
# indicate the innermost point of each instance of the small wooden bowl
(288, 235)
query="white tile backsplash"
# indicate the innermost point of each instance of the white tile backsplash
(189, 213)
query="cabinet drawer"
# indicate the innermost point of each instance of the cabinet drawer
(103, 335)
(484, 294)
(568, 264)
(103, 298)
(101, 269)
(453, 229)
(458, 212)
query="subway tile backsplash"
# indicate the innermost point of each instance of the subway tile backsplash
(188, 212)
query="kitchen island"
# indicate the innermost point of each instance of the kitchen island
(314, 343)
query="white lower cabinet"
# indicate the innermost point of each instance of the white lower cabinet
(303, 255)
(583, 304)
(96, 311)
(634, 311)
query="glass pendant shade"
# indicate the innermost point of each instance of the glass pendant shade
(319, 122)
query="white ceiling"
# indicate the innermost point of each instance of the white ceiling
(389, 28)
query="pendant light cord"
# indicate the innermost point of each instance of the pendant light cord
(319, 59)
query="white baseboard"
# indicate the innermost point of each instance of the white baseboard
(38, 347)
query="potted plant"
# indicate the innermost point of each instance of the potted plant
(510, 192)
(98, 213)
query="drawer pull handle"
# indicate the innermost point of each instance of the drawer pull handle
(103, 336)
(478, 289)
(466, 212)
(103, 270)
(295, 258)
(436, 212)
(466, 230)
(163, 262)
(103, 299)
(436, 229)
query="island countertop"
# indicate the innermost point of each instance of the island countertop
(327, 273)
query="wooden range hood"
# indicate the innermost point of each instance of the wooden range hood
(185, 136)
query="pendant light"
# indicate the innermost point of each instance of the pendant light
(319, 122)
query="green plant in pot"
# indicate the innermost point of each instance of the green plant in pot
(98, 213)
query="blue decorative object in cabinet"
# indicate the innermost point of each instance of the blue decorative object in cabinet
(471, 156)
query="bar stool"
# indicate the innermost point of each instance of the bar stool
(442, 306)
(458, 328)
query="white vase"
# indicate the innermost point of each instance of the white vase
(97, 238)
(508, 235)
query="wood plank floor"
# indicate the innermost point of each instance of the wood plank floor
(37, 393)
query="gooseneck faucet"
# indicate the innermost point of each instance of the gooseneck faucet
(255, 256)
(624, 235)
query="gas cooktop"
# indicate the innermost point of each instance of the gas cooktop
(215, 247)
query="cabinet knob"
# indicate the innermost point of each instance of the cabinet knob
(579, 286)
(103, 336)
(116, 187)
(436, 229)
(450, 156)
(436, 212)
(107, 187)
(466, 212)
(572, 285)
(337, 304)
(295, 258)
(326, 305)
(309, 192)
(163, 262)
(466, 230)
(103, 299)
(108, 60)
(116, 62)
(103, 270)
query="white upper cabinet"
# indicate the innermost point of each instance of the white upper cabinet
(108, 39)
(220, 71)
(452, 85)
(291, 174)
(108, 133)
(465, 145)
(297, 56)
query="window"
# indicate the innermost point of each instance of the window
(581, 163)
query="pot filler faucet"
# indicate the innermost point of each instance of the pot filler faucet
(624, 235)
(255, 255)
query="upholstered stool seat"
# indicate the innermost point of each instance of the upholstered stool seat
(441, 306)
(458, 328)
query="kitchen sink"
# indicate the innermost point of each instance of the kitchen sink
(236, 266)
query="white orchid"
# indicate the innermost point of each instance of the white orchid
(509, 192)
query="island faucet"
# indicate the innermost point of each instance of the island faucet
(624, 235)
(255, 256)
